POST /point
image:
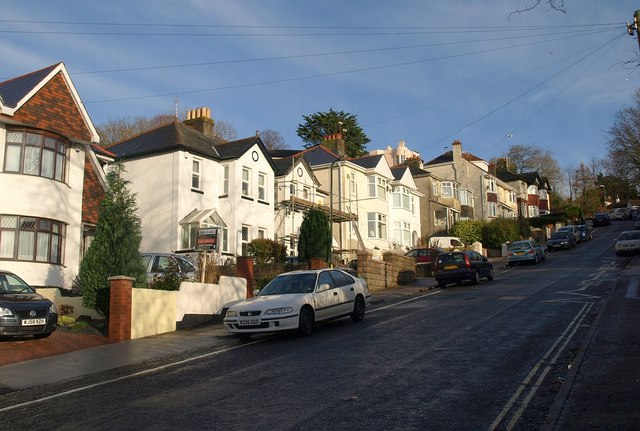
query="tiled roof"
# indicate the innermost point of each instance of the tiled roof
(15, 89)
(169, 137)
(235, 149)
(442, 158)
(367, 162)
(398, 171)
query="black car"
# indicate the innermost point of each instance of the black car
(458, 266)
(585, 232)
(23, 311)
(601, 219)
(561, 240)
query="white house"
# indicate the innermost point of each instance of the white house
(51, 177)
(186, 179)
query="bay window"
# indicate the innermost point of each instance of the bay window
(31, 239)
(35, 154)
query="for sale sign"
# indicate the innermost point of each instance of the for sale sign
(207, 239)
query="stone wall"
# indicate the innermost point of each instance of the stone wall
(388, 273)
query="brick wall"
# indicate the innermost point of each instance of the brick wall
(120, 308)
(53, 108)
(92, 193)
(386, 273)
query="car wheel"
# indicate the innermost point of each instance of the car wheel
(305, 322)
(490, 275)
(476, 278)
(359, 309)
(509, 263)
(442, 284)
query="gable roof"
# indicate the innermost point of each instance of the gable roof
(368, 162)
(47, 99)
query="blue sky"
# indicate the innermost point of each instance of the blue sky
(426, 72)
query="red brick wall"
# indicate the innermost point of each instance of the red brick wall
(92, 193)
(52, 108)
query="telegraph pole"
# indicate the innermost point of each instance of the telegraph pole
(632, 28)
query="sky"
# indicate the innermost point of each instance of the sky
(423, 72)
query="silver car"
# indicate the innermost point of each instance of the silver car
(157, 264)
(525, 251)
(628, 242)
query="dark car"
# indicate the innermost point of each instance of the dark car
(601, 219)
(561, 240)
(23, 311)
(458, 266)
(424, 256)
(585, 232)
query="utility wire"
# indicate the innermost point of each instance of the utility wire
(324, 75)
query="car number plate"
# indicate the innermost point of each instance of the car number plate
(33, 322)
(519, 253)
(450, 267)
(248, 322)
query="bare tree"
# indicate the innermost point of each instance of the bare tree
(557, 5)
(533, 159)
(118, 130)
(225, 130)
(624, 141)
(272, 139)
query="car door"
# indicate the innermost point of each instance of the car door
(326, 297)
(346, 289)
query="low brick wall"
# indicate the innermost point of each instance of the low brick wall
(387, 273)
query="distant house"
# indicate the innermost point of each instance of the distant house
(187, 179)
(51, 177)
(478, 189)
(532, 191)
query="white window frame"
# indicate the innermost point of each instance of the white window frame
(377, 225)
(492, 209)
(225, 179)
(491, 185)
(262, 186)
(245, 238)
(246, 181)
(196, 174)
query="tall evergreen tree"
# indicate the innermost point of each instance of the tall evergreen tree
(321, 124)
(315, 236)
(115, 247)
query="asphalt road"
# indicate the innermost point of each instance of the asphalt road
(493, 356)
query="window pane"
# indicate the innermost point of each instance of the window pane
(59, 167)
(27, 223)
(55, 249)
(50, 143)
(42, 249)
(32, 160)
(25, 245)
(9, 221)
(7, 243)
(48, 162)
(12, 161)
(17, 137)
(33, 139)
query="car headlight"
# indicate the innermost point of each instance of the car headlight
(53, 309)
(281, 310)
(5, 312)
(231, 313)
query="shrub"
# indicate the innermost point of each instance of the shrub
(266, 251)
(65, 310)
(469, 231)
(498, 231)
(169, 279)
(315, 236)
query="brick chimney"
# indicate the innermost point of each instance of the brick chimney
(335, 143)
(200, 119)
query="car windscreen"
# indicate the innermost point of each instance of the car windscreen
(627, 236)
(10, 284)
(520, 246)
(560, 235)
(450, 257)
(290, 283)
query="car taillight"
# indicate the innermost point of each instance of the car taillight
(531, 251)
(467, 262)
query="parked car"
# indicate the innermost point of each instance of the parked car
(525, 251)
(573, 229)
(23, 311)
(298, 300)
(601, 219)
(628, 242)
(561, 240)
(158, 263)
(424, 256)
(621, 213)
(585, 232)
(636, 224)
(458, 266)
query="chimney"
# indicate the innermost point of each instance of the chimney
(335, 143)
(200, 119)
(456, 148)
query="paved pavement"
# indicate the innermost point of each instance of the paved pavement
(610, 361)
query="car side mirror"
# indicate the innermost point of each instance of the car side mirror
(323, 287)
(255, 292)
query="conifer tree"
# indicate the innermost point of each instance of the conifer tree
(115, 247)
(315, 236)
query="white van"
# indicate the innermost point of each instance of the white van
(446, 242)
